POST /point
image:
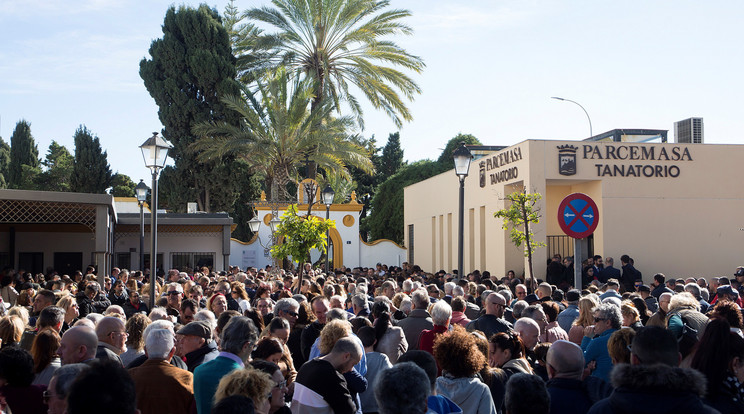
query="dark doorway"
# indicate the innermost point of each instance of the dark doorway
(68, 263)
(31, 262)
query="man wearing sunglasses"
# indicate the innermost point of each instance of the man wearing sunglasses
(607, 319)
(174, 295)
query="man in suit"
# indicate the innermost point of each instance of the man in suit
(158, 374)
(237, 341)
(609, 272)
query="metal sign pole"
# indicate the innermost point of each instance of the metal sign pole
(578, 254)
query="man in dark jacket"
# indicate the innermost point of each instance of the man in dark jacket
(492, 321)
(92, 300)
(135, 305)
(609, 271)
(196, 344)
(653, 382)
(630, 274)
(568, 393)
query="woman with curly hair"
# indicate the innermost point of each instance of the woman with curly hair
(458, 355)
(248, 382)
(731, 313)
(587, 304)
(135, 327)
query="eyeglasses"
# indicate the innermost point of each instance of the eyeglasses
(46, 396)
(281, 384)
(173, 293)
(292, 313)
(119, 333)
(599, 319)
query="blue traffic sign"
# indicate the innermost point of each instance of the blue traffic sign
(578, 215)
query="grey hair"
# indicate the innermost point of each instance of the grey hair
(65, 375)
(206, 315)
(384, 299)
(407, 285)
(158, 313)
(236, 333)
(485, 294)
(610, 312)
(94, 317)
(406, 305)
(361, 289)
(359, 300)
(448, 288)
(159, 324)
(336, 314)
(178, 287)
(518, 308)
(458, 291)
(402, 389)
(420, 299)
(441, 312)
(694, 289)
(285, 305)
(159, 343)
(506, 293)
(530, 311)
(526, 393)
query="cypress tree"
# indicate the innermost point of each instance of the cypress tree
(392, 157)
(4, 162)
(91, 172)
(23, 151)
(191, 68)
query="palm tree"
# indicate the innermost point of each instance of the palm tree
(278, 131)
(338, 43)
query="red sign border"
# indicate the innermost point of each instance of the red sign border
(578, 196)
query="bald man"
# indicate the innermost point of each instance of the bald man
(112, 337)
(492, 321)
(568, 393)
(78, 344)
(529, 331)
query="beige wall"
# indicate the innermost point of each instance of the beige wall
(689, 225)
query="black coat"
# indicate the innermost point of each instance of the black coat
(86, 305)
(204, 354)
(572, 396)
(130, 310)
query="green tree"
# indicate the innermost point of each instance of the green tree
(386, 218)
(191, 67)
(4, 163)
(90, 172)
(342, 43)
(23, 151)
(445, 159)
(300, 234)
(278, 131)
(392, 157)
(521, 213)
(58, 164)
(122, 185)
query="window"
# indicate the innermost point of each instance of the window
(124, 260)
(191, 260)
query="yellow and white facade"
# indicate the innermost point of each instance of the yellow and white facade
(674, 208)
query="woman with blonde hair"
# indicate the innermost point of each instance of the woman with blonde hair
(587, 304)
(11, 330)
(135, 327)
(70, 305)
(247, 382)
(331, 333)
(631, 316)
(21, 312)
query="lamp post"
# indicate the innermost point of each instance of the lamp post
(155, 153)
(141, 192)
(462, 157)
(328, 195)
(582, 108)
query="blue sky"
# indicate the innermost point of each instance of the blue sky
(492, 67)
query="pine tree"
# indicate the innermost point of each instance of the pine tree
(123, 186)
(91, 172)
(59, 164)
(191, 68)
(4, 163)
(23, 151)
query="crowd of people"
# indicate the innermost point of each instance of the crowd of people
(371, 340)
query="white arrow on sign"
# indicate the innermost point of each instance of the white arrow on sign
(591, 216)
(569, 215)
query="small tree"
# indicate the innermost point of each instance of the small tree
(300, 234)
(520, 215)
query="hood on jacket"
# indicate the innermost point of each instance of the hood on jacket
(658, 377)
(460, 389)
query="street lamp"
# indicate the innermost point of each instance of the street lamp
(587, 113)
(328, 195)
(140, 191)
(155, 153)
(462, 157)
